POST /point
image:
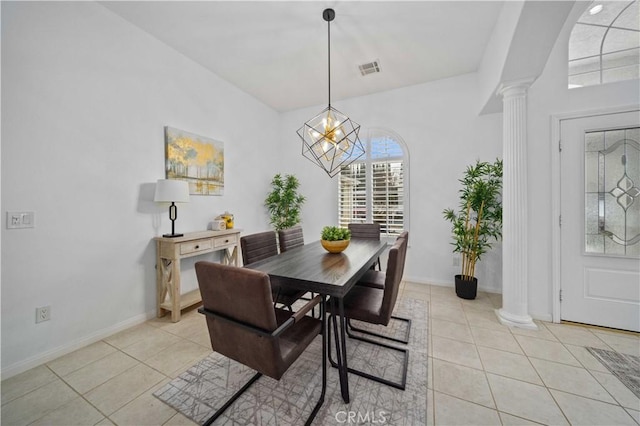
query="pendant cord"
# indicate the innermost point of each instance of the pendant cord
(329, 56)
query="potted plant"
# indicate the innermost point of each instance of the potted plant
(478, 221)
(335, 239)
(284, 202)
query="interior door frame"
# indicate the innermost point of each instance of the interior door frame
(556, 123)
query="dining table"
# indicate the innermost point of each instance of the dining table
(311, 268)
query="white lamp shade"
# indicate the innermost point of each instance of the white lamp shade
(171, 191)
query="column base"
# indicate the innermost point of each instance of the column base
(520, 321)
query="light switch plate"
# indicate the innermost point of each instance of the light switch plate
(19, 220)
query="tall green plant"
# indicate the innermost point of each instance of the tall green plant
(478, 221)
(284, 202)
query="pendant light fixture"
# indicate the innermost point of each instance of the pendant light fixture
(330, 139)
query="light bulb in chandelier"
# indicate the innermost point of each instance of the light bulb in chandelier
(327, 141)
(332, 129)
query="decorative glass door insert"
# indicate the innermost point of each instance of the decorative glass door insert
(612, 192)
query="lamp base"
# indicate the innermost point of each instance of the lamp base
(172, 235)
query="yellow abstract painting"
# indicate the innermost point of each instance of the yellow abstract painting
(196, 159)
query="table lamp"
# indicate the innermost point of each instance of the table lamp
(172, 191)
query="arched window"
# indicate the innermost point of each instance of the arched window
(605, 44)
(375, 188)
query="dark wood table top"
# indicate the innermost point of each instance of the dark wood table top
(312, 268)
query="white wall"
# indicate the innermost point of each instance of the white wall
(495, 56)
(85, 97)
(549, 96)
(439, 123)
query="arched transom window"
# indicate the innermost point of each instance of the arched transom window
(605, 44)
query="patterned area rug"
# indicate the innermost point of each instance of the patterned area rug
(199, 391)
(624, 367)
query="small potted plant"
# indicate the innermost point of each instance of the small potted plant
(478, 221)
(335, 239)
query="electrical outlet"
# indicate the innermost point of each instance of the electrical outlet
(43, 314)
(456, 260)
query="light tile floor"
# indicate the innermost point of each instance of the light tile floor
(480, 372)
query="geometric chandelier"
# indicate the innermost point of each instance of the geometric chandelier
(330, 139)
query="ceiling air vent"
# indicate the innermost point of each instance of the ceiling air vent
(369, 68)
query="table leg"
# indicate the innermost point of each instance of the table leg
(161, 285)
(175, 290)
(230, 256)
(341, 349)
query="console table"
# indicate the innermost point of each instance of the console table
(169, 251)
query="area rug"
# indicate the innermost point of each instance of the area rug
(624, 367)
(207, 385)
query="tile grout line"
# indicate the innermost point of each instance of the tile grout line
(618, 403)
(486, 378)
(76, 392)
(528, 357)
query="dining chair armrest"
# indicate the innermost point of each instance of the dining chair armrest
(297, 315)
(246, 326)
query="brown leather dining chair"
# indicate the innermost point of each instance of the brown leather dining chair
(369, 231)
(245, 326)
(290, 238)
(377, 279)
(260, 246)
(374, 306)
(365, 230)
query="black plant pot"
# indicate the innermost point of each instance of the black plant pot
(466, 289)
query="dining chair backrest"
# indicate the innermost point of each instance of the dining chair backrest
(393, 277)
(365, 230)
(404, 235)
(290, 238)
(242, 295)
(258, 246)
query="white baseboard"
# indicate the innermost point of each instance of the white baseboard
(50, 355)
(420, 280)
(547, 317)
(441, 283)
(541, 317)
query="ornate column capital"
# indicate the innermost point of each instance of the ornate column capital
(514, 88)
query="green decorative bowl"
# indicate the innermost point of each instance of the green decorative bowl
(335, 246)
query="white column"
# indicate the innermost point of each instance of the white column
(514, 310)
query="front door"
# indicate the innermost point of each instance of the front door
(600, 220)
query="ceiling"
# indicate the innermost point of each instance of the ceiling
(277, 51)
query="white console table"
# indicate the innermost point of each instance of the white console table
(169, 251)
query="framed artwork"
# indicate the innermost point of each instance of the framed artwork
(197, 159)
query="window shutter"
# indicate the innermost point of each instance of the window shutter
(387, 196)
(372, 189)
(352, 190)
